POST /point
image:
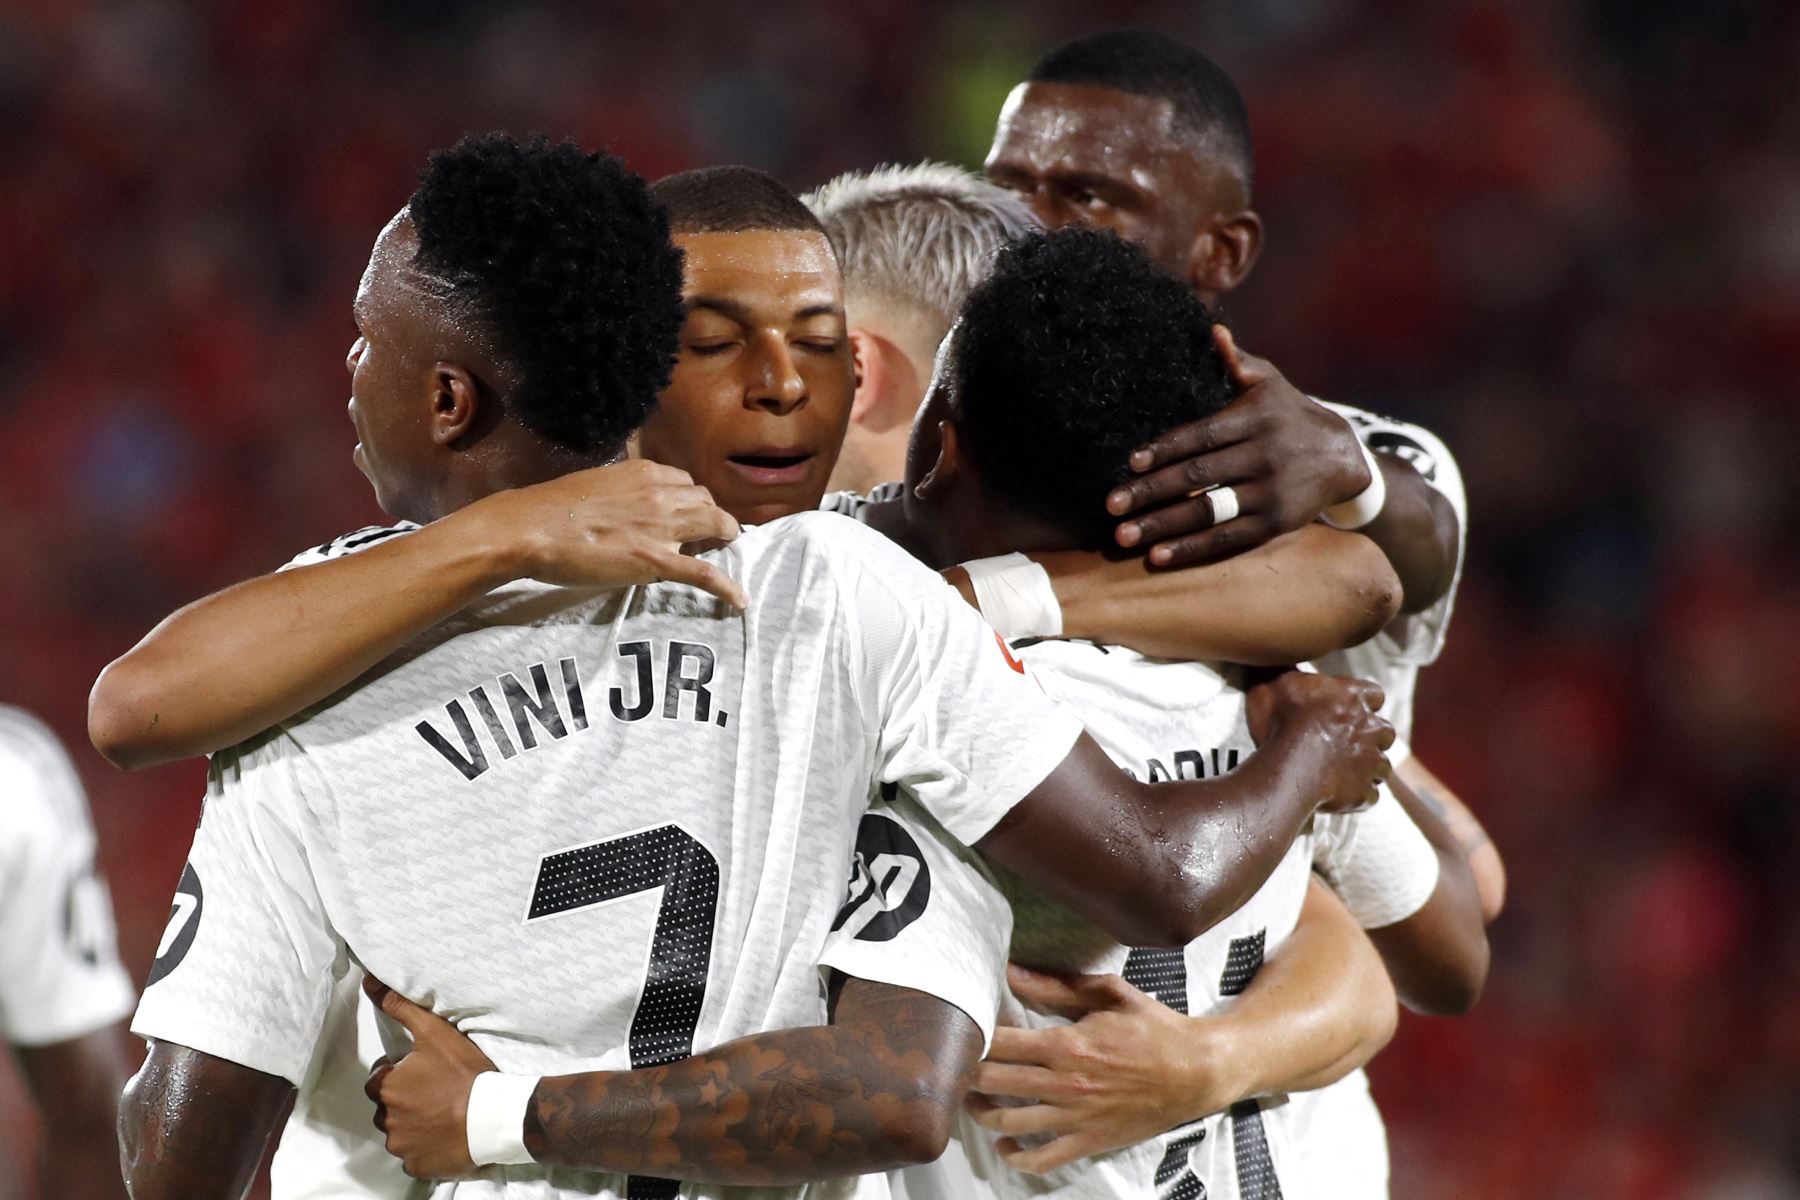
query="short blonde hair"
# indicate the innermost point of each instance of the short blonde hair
(922, 235)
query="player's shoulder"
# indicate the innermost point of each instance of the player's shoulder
(824, 537)
(349, 543)
(37, 775)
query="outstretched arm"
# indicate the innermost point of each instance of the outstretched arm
(194, 1127)
(76, 1086)
(876, 1089)
(1300, 596)
(1287, 459)
(1131, 1067)
(305, 633)
(1090, 836)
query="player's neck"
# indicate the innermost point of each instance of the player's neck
(498, 468)
(984, 529)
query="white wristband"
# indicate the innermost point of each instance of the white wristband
(1365, 506)
(496, 1124)
(1015, 596)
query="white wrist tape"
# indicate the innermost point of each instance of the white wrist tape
(496, 1125)
(1365, 506)
(1015, 596)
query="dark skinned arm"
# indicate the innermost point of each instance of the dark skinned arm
(878, 1088)
(76, 1086)
(1299, 596)
(195, 1127)
(1089, 835)
(1438, 957)
(1288, 458)
(183, 690)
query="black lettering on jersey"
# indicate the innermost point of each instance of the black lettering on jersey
(572, 693)
(646, 689)
(184, 922)
(678, 680)
(1192, 764)
(890, 882)
(471, 760)
(1406, 450)
(485, 706)
(527, 708)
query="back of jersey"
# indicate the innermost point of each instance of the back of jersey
(595, 831)
(1160, 721)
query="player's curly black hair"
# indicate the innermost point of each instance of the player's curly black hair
(1073, 352)
(568, 261)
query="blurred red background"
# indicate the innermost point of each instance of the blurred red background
(1565, 235)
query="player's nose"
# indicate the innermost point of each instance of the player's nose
(775, 382)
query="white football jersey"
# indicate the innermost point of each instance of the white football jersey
(599, 830)
(1161, 721)
(60, 976)
(1410, 641)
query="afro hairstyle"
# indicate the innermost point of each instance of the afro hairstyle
(1075, 351)
(567, 261)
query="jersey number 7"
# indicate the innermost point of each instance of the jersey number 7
(668, 1011)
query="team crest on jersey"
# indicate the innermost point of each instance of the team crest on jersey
(184, 922)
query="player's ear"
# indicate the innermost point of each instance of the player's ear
(1224, 251)
(455, 403)
(871, 374)
(944, 467)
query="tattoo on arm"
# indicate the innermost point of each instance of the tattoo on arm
(876, 1089)
(1469, 835)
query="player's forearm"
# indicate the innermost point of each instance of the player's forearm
(1321, 1006)
(1417, 532)
(194, 1127)
(227, 667)
(1299, 597)
(1438, 957)
(1471, 839)
(876, 1091)
(1160, 864)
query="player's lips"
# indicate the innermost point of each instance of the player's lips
(771, 467)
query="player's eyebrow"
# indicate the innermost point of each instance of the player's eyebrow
(739, 312)
(723, 305)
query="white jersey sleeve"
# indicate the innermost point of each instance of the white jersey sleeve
(1378, 861)
(60, 976)
(922, 913)
(1417, 638)
(247, 964)
(958, 722)
(349, 543)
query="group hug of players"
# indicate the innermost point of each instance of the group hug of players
(523, 856)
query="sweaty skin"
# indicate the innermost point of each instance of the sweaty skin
(1085, 835)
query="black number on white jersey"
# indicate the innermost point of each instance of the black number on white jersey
(184, 923)
(890, 882)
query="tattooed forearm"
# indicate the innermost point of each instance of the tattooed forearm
(195, 1126)
(876, 1089)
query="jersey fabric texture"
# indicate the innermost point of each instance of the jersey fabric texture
(636, 797)
(60, 976)
(1159, 720)
(1410, 641)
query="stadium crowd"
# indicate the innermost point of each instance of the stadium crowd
(1561, 235)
